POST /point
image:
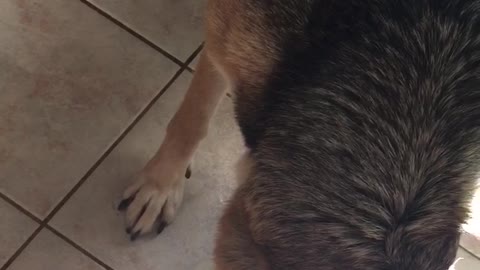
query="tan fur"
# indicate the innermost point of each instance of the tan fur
(238, 42)
(190, 123)
(244, 166)
(239, 51)
(161, 182)
(235, 248)
(246, 56)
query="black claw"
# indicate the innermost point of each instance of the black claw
(188, 173)
(129, 230)
(134, 236)
(125, 203)
(161, 227)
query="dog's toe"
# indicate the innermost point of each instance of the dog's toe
(152, 213)
(148, 206)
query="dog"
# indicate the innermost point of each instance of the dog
(362, 120)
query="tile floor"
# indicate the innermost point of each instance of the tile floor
(86, 89)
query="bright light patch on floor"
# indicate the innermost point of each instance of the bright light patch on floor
(455, 263)
(473, 225)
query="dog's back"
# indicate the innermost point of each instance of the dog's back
(365, 139)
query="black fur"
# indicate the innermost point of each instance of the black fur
(367, 138)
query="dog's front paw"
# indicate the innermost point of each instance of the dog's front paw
(149, 204)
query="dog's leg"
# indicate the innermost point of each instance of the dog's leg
(158, 192)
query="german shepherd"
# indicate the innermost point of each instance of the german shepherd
(362, 120)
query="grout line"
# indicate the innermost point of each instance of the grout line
(22, 248)
(20, 208)
(44, 222)
(469, 252)
(475, 239)
(192, 57)
(79, 248)
(132, 32)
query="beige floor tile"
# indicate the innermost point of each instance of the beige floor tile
(471, 239)
(174, 25)
(471, 243)
(15, 228)
(70, 82)
(90, 217)
(49, 252)
(466, 261)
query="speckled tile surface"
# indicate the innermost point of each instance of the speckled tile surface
(70, 82)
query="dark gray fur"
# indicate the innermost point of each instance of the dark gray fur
(367, 138)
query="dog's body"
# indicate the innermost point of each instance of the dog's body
(362, 119)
